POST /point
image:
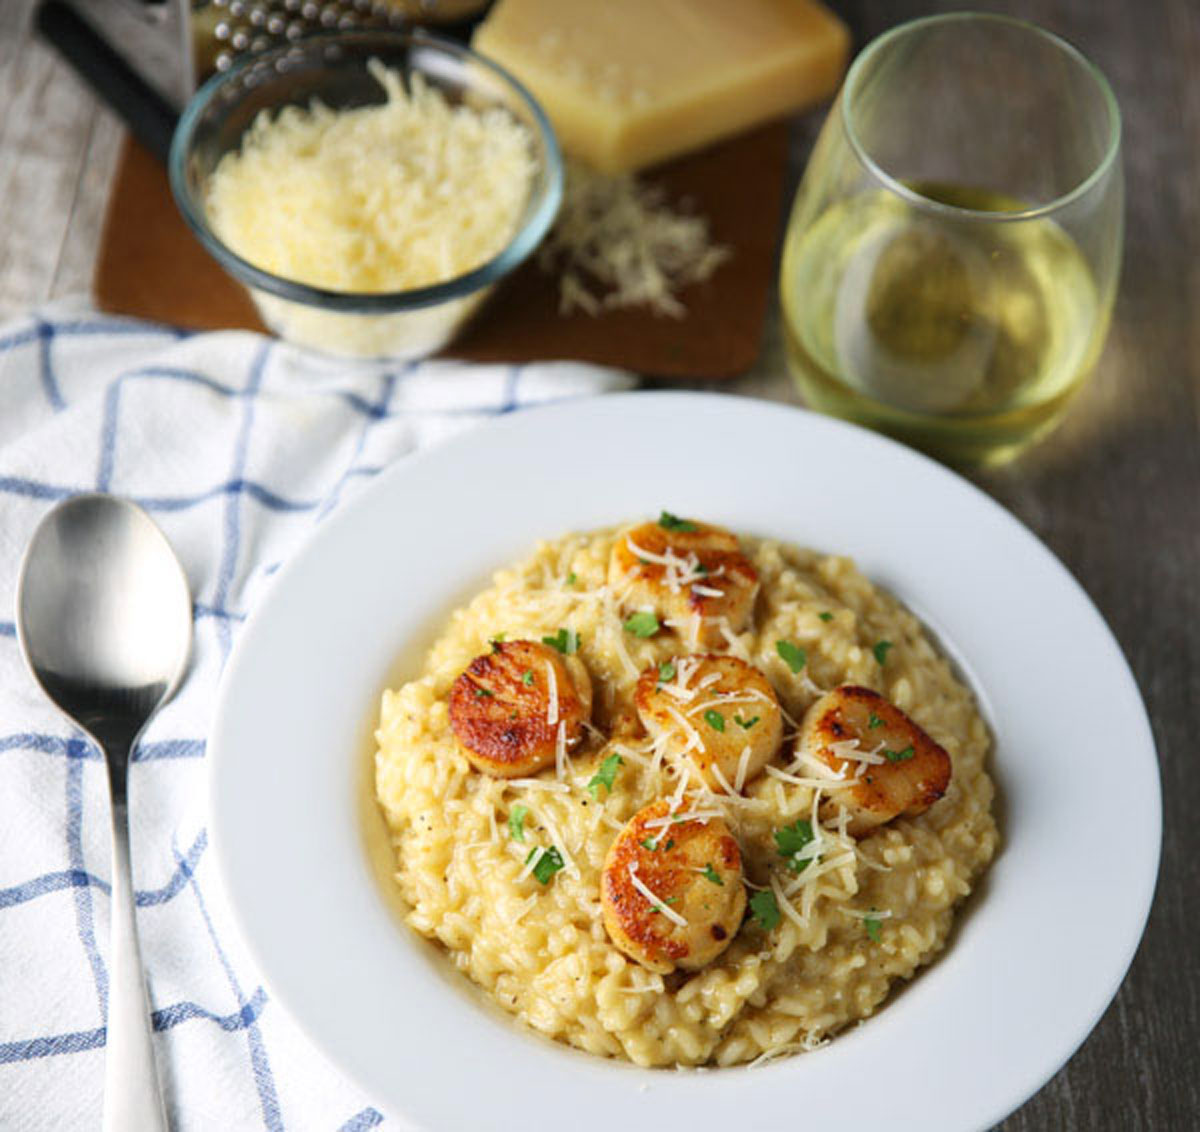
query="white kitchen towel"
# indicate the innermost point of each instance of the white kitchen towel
(238, 446)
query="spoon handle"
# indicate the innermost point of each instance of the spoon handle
(132, 1098)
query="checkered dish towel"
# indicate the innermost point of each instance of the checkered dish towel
(238, 447)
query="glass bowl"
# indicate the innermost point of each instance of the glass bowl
(333, 68)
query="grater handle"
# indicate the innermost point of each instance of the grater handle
(151, 119)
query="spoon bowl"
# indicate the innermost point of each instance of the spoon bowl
(103, 603)
(104, 619)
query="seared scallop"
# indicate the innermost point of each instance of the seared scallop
(892, 765)
(689, 574)
(719, 711)
(672, 889)
(513, 707)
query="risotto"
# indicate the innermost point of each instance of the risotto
(662, 818)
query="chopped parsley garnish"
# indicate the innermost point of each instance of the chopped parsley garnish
(711, 874)
(666, 672)
(483, 693)
(745, 724)
(565, 640)
(874, 721)
(826, 616)
(516, 821)
(701, 568)
(714, 719)
(881, 650)
(794, 655)
(670, 522)
(649, 843)
(765, 909)
(547, 864)
(790, 840)
(670, 844)
(605, 775)
(898, 756)
(571, 579)
(872, 925)
(642, 624)
(527, 676)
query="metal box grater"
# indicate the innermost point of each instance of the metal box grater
(176, 44)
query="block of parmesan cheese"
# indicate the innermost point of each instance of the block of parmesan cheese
(629, 83)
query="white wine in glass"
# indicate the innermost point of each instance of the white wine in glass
(950, 289)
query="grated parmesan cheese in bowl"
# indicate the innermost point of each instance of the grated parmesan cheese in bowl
(368, 188)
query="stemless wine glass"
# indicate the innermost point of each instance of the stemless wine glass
(952, 255)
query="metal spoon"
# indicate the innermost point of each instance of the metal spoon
(104, 619)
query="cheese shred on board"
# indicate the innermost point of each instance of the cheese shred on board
(619, 243)
(406, 193)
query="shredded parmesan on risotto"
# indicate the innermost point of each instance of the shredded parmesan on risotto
(774, 990)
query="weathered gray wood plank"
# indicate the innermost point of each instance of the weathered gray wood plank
(57, 152)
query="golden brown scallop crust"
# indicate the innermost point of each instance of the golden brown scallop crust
(695, 869)
(501, 713)
(721, 588)
(658, 710)
(916, 771)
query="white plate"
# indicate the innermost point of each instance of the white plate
(1036, 958)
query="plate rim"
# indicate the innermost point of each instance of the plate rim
(703, 1085)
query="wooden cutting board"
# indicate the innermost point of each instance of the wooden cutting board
(151, 266)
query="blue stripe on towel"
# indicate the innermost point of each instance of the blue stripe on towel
(169, 749)
(233, 515)
(45, 336)
(264, 1080)
(185, 869)
(368, 1118)
(52, 1046)
(170, 1016)
(49, 882)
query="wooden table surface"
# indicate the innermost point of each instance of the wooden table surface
(1115, 492)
